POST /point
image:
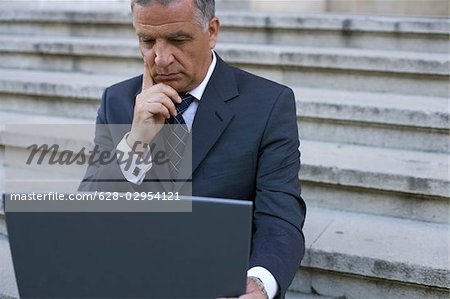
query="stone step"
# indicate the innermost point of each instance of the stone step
(18, 131)
(73, 95)
(8, 287)
(340, 285)
(2, 191)
(387, 120)
(332, 68)
(376, 168)
(330, 30)
(289, 295)
(397, 183)
(297, 295)
(395, 109)
(374, 119)
(380, 181)
(337, 31)
(352, 255)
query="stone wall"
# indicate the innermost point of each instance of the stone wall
(391, 7)
(439, 8)
(434, 8)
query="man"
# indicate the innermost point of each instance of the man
(243, 130)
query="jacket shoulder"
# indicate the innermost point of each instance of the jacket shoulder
(267, 92)
(252, 83)
(131, 85)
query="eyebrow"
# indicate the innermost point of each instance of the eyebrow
(169, 36)
(180, 33)
(143, 35)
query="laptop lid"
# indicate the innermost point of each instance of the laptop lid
(198, 254)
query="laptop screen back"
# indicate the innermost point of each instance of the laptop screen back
(198, 254)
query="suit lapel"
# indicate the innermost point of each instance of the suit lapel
(211, 119)
(213, 115)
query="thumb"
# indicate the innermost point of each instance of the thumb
(147, 80)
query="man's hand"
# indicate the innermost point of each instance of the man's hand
(253, 291)
(153, 106)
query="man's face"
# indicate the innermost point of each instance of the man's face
(175, 47)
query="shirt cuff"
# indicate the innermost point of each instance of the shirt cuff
(134, 166)
(270, 284)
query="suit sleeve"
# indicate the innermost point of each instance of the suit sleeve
(103, 172)
(278, 242)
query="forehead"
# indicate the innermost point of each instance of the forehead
(156, 16)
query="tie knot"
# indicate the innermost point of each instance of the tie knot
(186, 100)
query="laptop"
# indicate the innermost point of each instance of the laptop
(198, 254)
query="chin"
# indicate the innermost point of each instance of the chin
(178, 86)
(175, 85)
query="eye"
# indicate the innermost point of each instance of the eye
(179, 40)
(147, 40)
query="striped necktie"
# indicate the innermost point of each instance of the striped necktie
(177, 136)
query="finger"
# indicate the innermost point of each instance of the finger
(147, 80)
(166, 101)
(168, 91)
(157, 108)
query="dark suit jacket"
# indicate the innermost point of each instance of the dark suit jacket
(245, 146)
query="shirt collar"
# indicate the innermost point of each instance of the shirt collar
(199, 90)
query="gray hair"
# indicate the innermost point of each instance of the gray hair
(205, 9)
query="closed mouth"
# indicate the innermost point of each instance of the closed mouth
(167, 76)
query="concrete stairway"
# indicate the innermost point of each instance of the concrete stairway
(373, 110)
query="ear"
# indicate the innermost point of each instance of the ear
(213, 31)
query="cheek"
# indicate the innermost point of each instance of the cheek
(185, 58)
(147, 55)
(145, 51)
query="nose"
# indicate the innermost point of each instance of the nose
(163, 55)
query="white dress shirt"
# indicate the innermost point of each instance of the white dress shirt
(135, 173)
